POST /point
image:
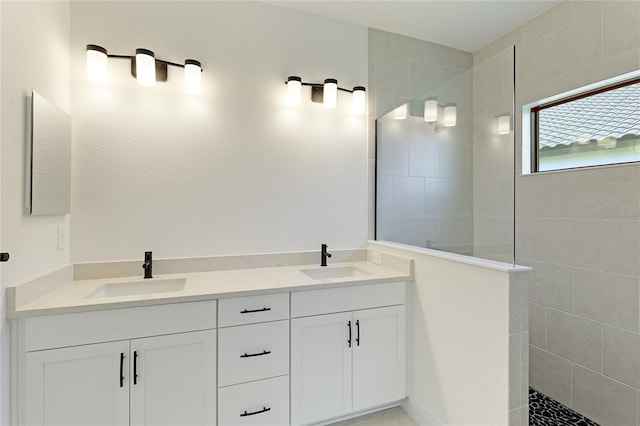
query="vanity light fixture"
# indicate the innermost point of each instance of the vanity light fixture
(145, 67)
(450, 116)
(330, 96)
(359, 102)
(431, 111)
(504, 124)
(400, 113)
(96, 64)
(294, 90)
(325, 93)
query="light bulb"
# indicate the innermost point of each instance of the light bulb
(294, 90)
(330, 93)
(450, 116)
(192, 76)
(145, 67)
(400, 113)
(96, 63)
(359, 101)
(431, 111)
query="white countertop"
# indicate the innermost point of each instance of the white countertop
(202, 286)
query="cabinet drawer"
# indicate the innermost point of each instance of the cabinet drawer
(252, 309)
(82, 328)
(348, 298)
(253, 352)
(264, 403)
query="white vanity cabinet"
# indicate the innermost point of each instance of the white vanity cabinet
(350, 360)
(102, 371)
(253, 360)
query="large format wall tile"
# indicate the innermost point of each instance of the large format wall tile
(621, 246)
(550, 375)
(575, 242)
(574, 338)
(603, 400)
(551, 285)
(622, 355)
(609, 298)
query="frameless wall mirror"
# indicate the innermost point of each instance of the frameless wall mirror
(49, 174)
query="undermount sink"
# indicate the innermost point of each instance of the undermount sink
(330, 272)
(138, 287)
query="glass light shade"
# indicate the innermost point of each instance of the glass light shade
(359, 100)
(400, 113)
(145, 67)
(96, 63)
(330, 93)
(504, 124)
(450, 116)
(294, 90)
(192, 76)
(431, 111)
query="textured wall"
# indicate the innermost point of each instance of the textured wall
(234, 170)
(580, 230)
(35, 56)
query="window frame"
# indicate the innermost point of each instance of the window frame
(562, 99)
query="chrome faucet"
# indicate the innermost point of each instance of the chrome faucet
(324, 255)
(148, 264)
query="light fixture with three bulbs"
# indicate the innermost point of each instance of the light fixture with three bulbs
(442, 117)
(326, 93)
(144, 67)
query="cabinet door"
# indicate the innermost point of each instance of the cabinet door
(320, 368)
(379, 356)
(78, 386)
(173, 379)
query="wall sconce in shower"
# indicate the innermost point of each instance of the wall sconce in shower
(144, 67)
(450, 116)
(504, 124)
(325, 93)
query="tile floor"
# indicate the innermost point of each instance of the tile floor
(395, 416)
(543, 411)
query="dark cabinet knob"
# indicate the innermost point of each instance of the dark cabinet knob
(4, 257)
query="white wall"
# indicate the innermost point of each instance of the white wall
(234, 170)
(35, 55)
(465, 334)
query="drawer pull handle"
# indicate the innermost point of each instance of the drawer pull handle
(246, 355)
(121, 369)
(358, 329)
(251, 311)
(349, 341)
(264, 410)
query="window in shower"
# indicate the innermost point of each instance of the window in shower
(593, 127)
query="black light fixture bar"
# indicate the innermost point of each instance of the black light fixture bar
(321, 86)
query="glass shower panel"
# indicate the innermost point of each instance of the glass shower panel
(444, 174)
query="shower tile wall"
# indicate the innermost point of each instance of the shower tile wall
(402, 68)
(580, 230)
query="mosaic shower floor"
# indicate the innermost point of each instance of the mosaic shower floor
(544, 411)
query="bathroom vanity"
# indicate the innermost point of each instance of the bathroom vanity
(264, 346)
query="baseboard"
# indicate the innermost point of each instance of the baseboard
(419, 413)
